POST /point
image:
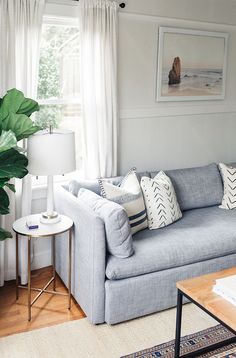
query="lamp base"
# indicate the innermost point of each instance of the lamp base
(52, 218)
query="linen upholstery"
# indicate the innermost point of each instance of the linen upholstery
(89, 255)
(196, 187)
(118, 231)
(141, 295)
(201, 234)
(76, 184)
(117, 300)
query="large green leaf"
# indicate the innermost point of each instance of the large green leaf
(11, 102)
(3, 182)
(4, 235)
(11, 187)
(13, 164)
(20, 124)
(4, 202)
(15, 101)
(7, 140)
(28, 106)
(15, 110)
(15, 125)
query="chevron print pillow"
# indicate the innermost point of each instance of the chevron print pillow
(161, 202)
(129, 195)
(228, 174)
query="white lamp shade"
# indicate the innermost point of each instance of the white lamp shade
(51, 153)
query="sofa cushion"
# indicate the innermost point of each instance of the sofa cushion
(161, 202)
(129, 195)
(118, 232)
(228, 174)
(196, 187)
(76, 184)
(200, 235)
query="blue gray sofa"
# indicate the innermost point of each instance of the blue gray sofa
(111, 289)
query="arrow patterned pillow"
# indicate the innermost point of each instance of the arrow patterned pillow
(161, 202)
(228, 174)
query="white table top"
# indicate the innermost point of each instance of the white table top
(20, 227)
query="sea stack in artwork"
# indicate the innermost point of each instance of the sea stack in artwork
(175, 72)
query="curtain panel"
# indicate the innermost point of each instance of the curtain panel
(20, 29)
(98, 20)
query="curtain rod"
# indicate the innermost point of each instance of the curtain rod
(122, 5)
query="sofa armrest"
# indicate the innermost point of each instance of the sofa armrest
(89, 255)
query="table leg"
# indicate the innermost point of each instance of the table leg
(29, 278)
(178, 324)
(54, 262)
(17, 265)
(69, 271)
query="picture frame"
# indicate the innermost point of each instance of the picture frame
(191, 65)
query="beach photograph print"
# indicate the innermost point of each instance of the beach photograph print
(191, 65)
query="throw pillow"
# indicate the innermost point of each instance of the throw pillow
(228, 174)
(129, 195)
(161, 202)
(118, 233)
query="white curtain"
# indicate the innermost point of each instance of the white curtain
(20, 29)
(98, 34)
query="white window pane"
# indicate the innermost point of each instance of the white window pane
(59, 84)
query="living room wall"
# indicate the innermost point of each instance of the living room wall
(174, 134)
(162, 135)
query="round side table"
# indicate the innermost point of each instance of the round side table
(44, 230)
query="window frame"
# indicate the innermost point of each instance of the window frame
(58, 20)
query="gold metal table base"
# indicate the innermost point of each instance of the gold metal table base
(52, 280)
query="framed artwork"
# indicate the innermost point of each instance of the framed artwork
(191, 65)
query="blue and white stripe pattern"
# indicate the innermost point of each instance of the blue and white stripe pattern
(129, 195)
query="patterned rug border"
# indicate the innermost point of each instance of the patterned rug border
(191, 343)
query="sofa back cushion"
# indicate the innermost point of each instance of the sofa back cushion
(196, 187)
(93, 185)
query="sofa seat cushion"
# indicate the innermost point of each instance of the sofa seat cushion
(200, 235)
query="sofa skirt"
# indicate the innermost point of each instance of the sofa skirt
(133, 297)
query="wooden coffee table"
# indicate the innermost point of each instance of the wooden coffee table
(199, 291)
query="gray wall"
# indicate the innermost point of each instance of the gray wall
(174, 134)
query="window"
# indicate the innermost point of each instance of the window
(58, 81)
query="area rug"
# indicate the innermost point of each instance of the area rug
(81, 339)
(192, 343)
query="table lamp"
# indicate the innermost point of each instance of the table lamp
(51, 152)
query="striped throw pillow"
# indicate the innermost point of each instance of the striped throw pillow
(129, 195)
(228, 174)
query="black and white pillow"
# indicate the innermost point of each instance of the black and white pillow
(228, 174)
(161, 202)
(129, 195)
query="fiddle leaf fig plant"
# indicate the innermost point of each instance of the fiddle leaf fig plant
(15, 125)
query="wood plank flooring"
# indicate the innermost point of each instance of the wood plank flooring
(47, 311)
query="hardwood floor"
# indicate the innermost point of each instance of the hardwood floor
(47, 311)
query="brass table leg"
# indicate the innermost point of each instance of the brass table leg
(69, 271)
(54, 262)
(29, 278)
(17, 264)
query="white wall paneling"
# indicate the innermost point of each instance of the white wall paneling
(175, 134)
